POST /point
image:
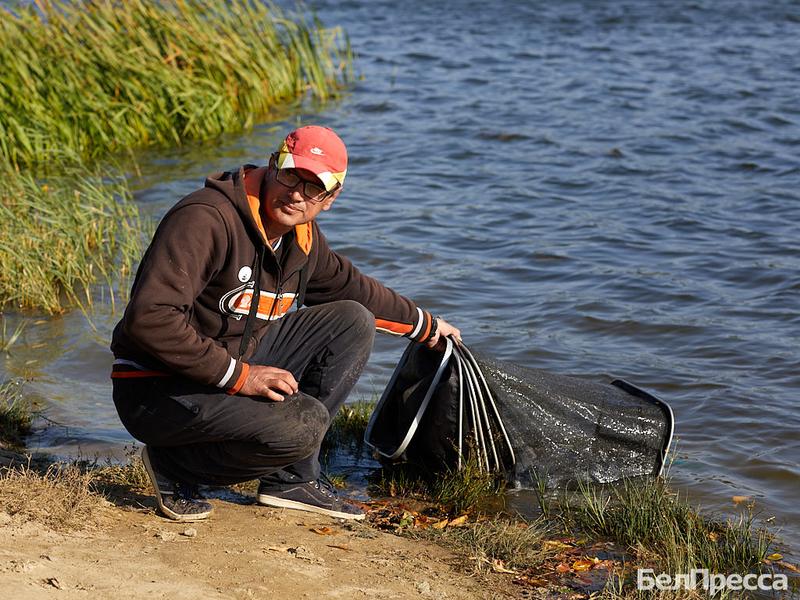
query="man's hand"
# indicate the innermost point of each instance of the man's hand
(269, 382)
(442, 331)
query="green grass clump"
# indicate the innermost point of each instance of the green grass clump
(457, 490)
(62, 233)
(16, 415)
(347, 429)
(658, 526)
(93, 78)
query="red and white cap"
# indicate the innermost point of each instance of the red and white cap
(316, 149)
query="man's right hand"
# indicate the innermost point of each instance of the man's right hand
(270, 382)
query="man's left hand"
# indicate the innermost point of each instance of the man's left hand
(443, 330)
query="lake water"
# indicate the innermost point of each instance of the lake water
(593, 188)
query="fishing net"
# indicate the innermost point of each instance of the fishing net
(440, 410)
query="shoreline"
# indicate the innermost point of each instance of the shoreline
(407, 548)
(241, 552)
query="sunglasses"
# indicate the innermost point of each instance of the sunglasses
(311, 190)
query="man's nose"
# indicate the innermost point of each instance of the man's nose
(295, 195)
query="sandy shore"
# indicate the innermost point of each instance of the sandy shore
(243, 551)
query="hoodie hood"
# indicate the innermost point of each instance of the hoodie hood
(231, 185)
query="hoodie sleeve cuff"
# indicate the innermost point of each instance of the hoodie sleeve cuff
(240, 380)
(424, 328)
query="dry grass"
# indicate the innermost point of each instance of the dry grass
(517, 544)
(61, 498)
(130, 476)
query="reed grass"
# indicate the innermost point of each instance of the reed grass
(61, 233)
(84, 80)
(99, 77)
(16, 415)
(658, 526)
(9, 337)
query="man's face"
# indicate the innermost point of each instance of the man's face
(287, 206)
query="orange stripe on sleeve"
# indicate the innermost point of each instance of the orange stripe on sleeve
(429, 319)
(393, 327)
(242, 378)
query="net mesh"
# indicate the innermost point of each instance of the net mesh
(561, 428)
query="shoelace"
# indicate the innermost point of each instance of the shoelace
(325, 485)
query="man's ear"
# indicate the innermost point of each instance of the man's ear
(326, 205)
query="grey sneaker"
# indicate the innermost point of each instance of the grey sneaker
(314, 496)
(177, 501)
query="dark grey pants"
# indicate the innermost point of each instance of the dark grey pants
(199, 434)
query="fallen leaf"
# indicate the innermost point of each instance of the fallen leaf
(563, 568)
(775, 556)
(339, 547)
(788, 566)
(713, 536)
(422, 519)
(554, 545)
(323, 530)
(440, 524)
(740, 499)
(406, 520)
(499, 567)
(582, 565)
(458, 521)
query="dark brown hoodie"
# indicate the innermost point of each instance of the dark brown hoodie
(192, 292)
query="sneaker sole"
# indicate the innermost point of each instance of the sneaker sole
(170, 514)
(275, 502)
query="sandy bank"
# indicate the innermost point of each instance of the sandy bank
(243, 551)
